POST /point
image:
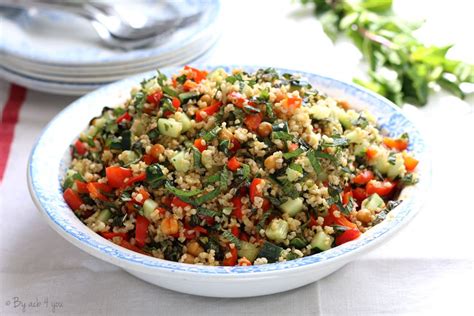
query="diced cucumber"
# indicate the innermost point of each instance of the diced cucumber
(292, 206)
(398, 168)
(217, 75)
(322, 241)
(138, 127)
(128, 156)
(319, 112)
(184, 120)
(151, 86)
(270, 251)
(293, 174)
(104, 215)
(180, 162)
(373, 203)
(89, 134)
(347, 117)
(100, 122)
(380, 161)
(186, 96)
(277, 230)
(356, 136)
(248, 250)
(148, 207)
(170, 127)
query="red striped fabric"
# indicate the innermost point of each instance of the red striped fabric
(10, 114)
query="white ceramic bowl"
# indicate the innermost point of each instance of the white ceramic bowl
(50, 157)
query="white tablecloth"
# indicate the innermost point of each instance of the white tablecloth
(426, 269)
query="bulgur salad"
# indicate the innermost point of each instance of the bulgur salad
(234, 169)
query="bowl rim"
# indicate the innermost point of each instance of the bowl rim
(117, 255)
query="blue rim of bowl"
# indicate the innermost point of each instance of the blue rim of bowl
(109, 251)
(28, 53)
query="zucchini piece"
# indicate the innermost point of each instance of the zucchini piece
(298, 242)
(322, 241)
(270, 251)
(292, 206)
(277, 230)
(127, 157)
(373, 203)
(248, 250)
(170, 127)
(293, 175)
(148, 207)
(184, 120)
(104, 215)
(180, 162)
(186, 96)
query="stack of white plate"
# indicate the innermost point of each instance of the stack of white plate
(60, 53)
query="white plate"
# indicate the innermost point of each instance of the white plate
(46, 38)
(50, 158)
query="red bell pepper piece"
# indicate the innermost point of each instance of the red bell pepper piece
(141, 230)
(381, 188)
(124, 117)
(80, 147)
(208, 111)
(363, 177)
(198, 144)
(230, 260)
(116, 176)
(347, 236)
(233, 164)
(72, 199)
(252, 121)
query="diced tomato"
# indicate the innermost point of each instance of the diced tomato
(237, 210)
(130, 206)
(176, 103)
(371, 153)
(198, 144)
(235, 144)
(410, 162)
(253, 190)
(96, 189)
(145, 195)
(124, 117)
(292, 103)
(244, 262)
(266, 204)
(196, 74)
(363, 177)
(312, 221)
(398, 144)
(238, 99)
(233, 164)
(131, 247)
(138, 178)
(244, 236)
(189, 85)
(72, 199)
(230, 260)
(155, 97)
(346, 196)
(292, 147)
(200, 229)
(81, 187)
(347, 236)
(149, 159)
(252, 121)
(330, 219)
(80, 147)
(141, 230)
(235, 231)
(381, 188)
(359, 194)
(208, 111)
(110, 235)
(116, 176)
(178, 202)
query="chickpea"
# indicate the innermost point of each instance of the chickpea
(270, 163)
(206, 98)
(156, 150)
(264, 129)
(194, 248)
(225, 134)
(169, 226)
(364, 215)
(188, 258)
